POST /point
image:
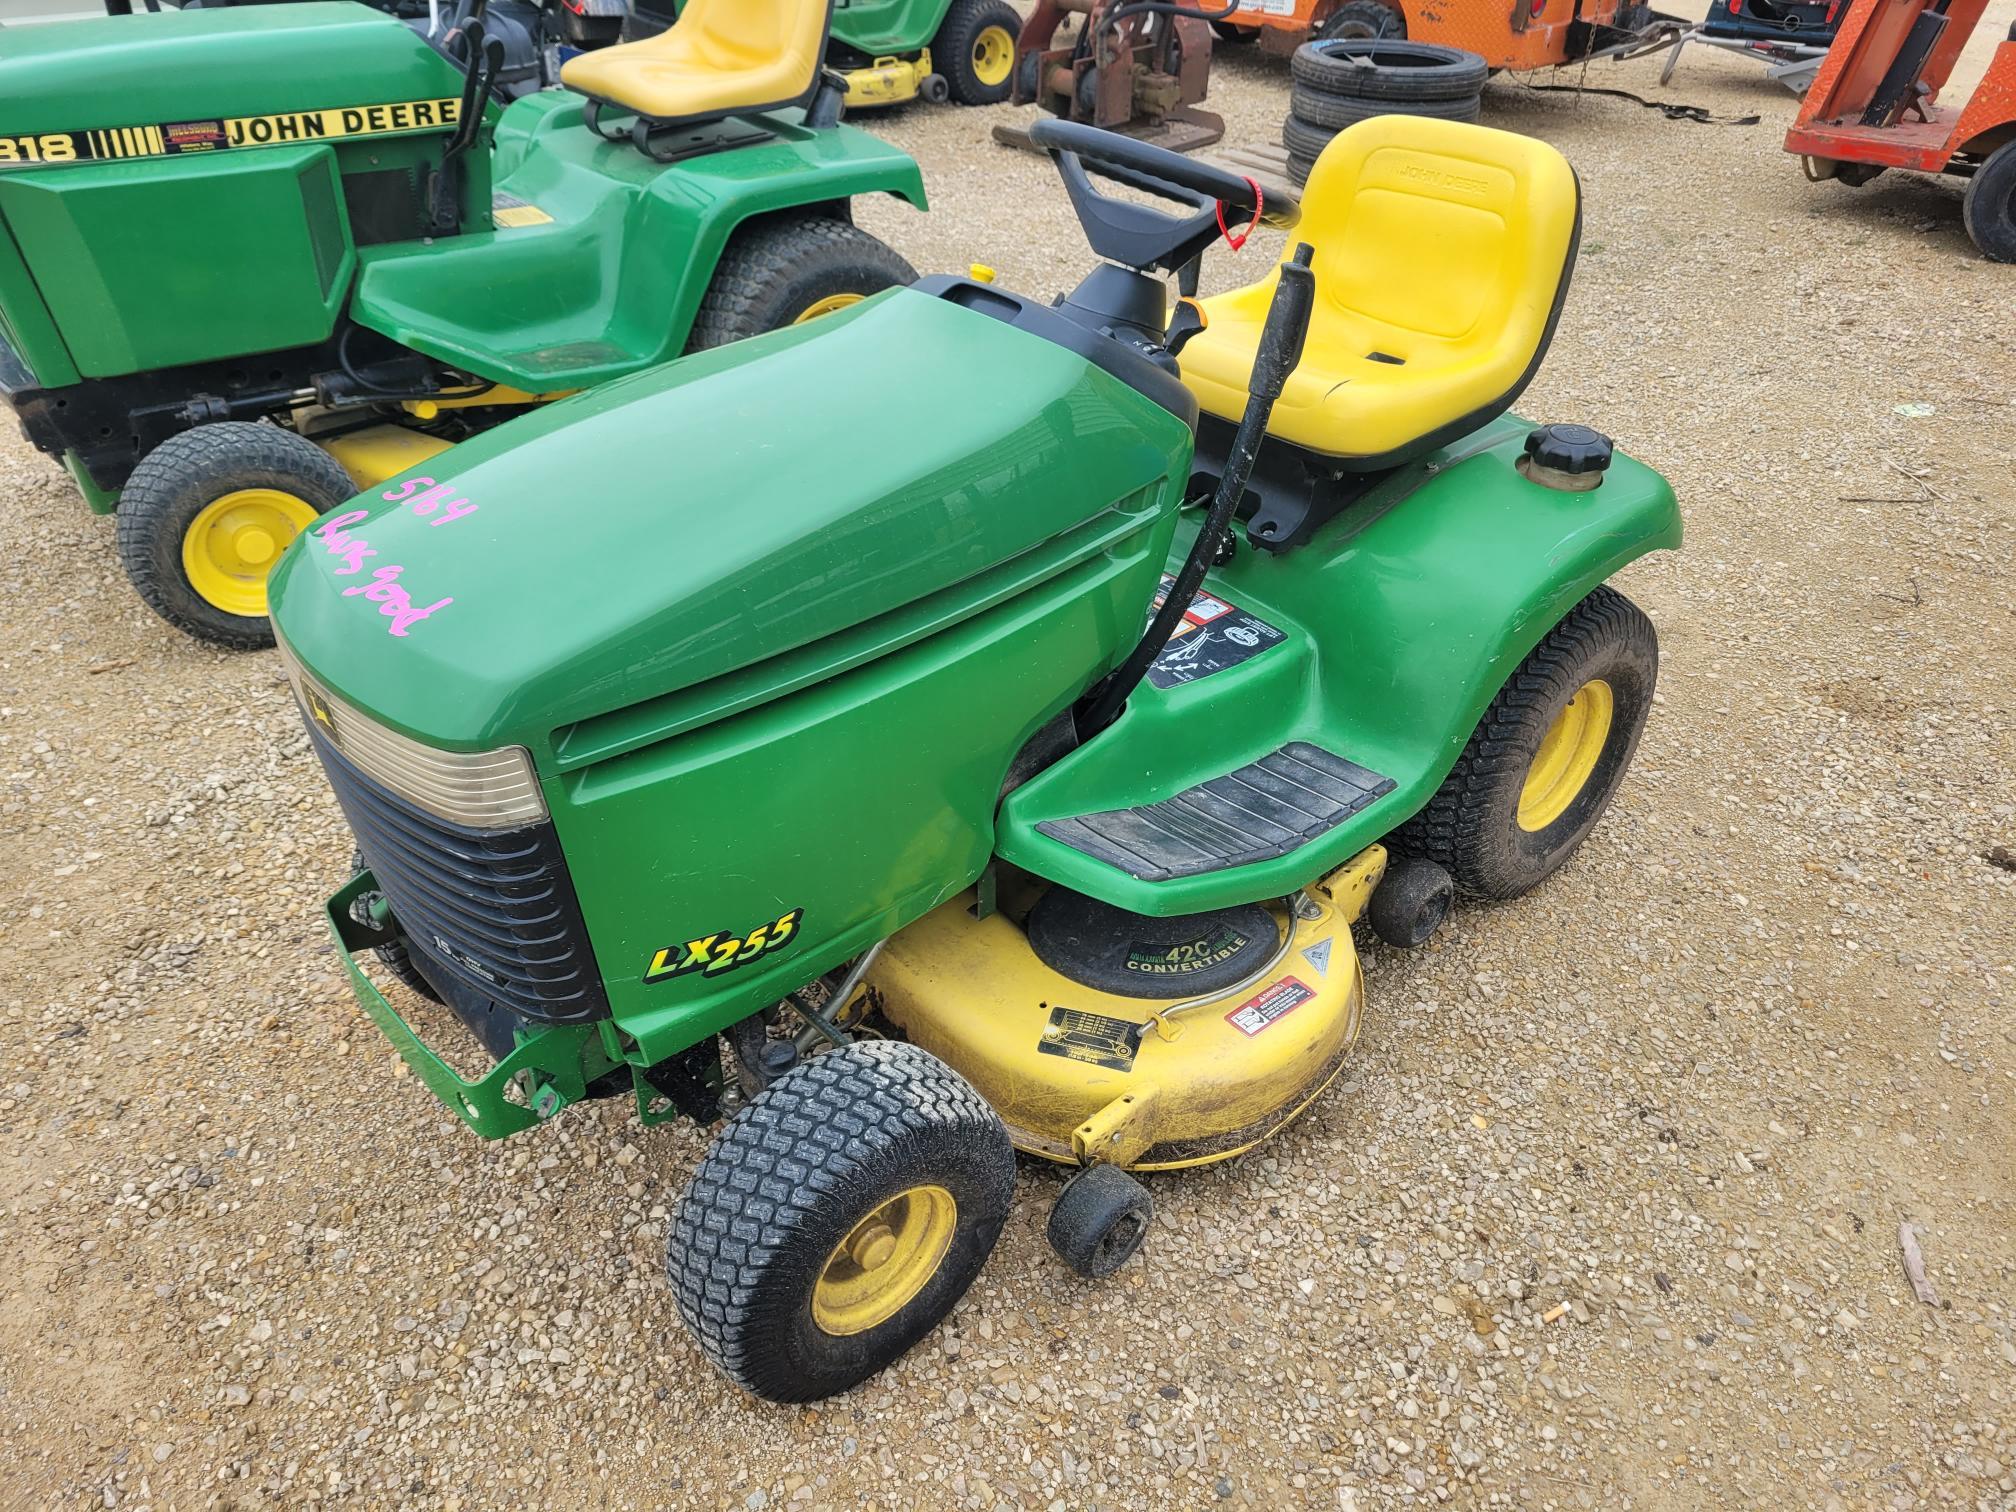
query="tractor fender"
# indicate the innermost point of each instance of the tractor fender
(605, 266)
(1382, 641)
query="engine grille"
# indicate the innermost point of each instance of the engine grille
(495, 907)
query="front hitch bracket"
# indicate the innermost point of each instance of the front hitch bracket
(547, 1071)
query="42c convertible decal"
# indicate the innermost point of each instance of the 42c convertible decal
(722, 951)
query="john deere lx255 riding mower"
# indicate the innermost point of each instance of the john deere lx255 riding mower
(253, 259)
(888, 785)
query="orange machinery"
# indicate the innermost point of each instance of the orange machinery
(1876, 105)
(1514, 34)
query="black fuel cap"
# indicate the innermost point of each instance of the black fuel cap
(1571, 449)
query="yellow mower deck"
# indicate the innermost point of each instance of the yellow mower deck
(1082, 1076)
(888, 80)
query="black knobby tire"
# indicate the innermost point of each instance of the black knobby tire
(1988, 209)
(776, 269)
(1338, 111)
(395, 957)
(800, 1166)
(1471, 826)
(182, 477)
(1099, 1220)
(952, 49)
(1307, 137)
(1371, 69)
(1363, 18)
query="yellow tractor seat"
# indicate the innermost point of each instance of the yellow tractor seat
(1442, 255)
(720, 58)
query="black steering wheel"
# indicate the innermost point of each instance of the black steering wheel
(1140, 236)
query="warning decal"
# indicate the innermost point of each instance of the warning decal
(1092, 1038)
(1212, 636)
(179, 138)
(509, 211)
(1270, 1007)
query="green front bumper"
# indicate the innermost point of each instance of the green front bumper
(548, 1070)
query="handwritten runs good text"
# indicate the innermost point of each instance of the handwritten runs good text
(423, 496)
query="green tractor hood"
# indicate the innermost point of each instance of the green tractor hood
(228, 77)
(643, 556)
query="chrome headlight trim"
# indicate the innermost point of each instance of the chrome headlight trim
(480, 789)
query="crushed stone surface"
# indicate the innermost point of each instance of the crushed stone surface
(1603, 1214)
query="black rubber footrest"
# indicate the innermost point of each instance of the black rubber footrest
(1264, 810)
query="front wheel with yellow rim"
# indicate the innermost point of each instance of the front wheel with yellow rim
(1548, 755)
(975, 49)
(838, 1218)
(205, 516)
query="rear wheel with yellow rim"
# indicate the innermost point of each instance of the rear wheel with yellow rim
(1548, 755)
(838, 1218)
(206, 515)
(785, 270)
(975, 49)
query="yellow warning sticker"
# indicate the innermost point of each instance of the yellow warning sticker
(177, 138)
(509, 211)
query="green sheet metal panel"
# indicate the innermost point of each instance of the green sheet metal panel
(163, 261)
(198, 67)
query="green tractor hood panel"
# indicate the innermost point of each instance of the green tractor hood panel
(194, 81)
(829, 487)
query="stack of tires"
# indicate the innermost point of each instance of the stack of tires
(1342, 80)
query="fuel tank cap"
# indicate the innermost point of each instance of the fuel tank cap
(1569, 457)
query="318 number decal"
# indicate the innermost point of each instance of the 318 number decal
(51, 147)
(722, 951)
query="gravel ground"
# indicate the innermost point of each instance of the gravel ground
(1604, 1214)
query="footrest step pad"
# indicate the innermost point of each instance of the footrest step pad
(1264, 810)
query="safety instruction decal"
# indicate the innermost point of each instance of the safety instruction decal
(1270, 1007)
(1212, 636)
(219, 134)
(1318, 956)
(1092, 1038)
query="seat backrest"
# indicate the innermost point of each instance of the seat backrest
(1444, 234)
(736, 34)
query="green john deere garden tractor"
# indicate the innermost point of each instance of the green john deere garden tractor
(890, 51)
(861, 792)
(254, 259)
(896, 50)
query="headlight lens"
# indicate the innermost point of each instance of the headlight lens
(480, 789)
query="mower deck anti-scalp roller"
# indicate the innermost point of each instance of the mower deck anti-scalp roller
(1261, 616)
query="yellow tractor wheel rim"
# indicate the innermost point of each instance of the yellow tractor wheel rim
(1567, 756)
(885, 1260)
(233, 542)
(827, 306)
(993, 55)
